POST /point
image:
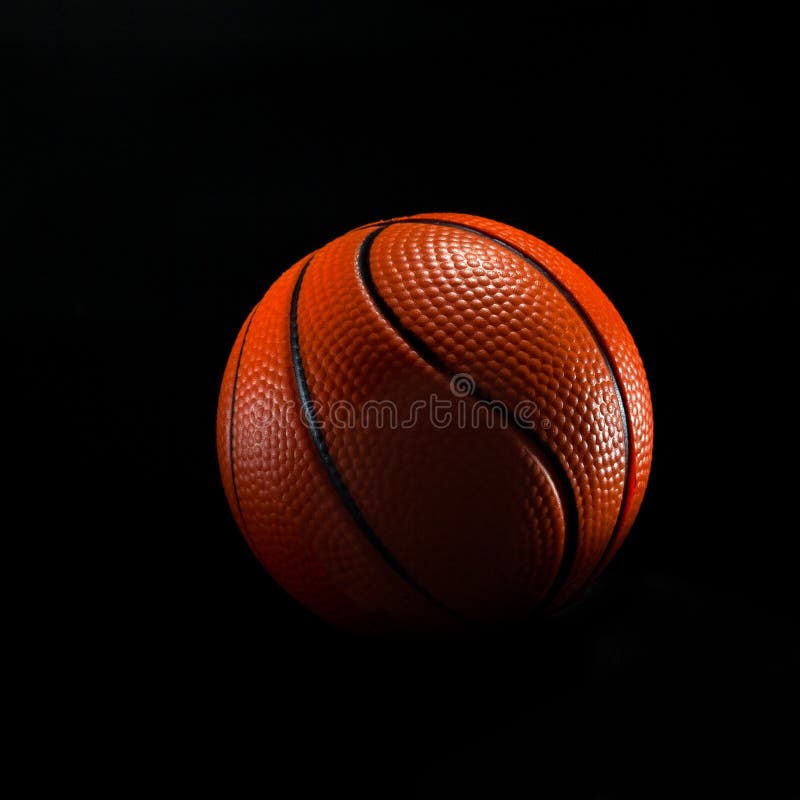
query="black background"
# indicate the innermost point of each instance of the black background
(170, 160)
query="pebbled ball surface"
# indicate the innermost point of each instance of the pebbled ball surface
(388, 517)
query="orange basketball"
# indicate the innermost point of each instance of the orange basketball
(434, 422)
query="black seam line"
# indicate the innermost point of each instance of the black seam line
(233, 413)
(312, 422)
(587, 321)
(541, 448)
(381, 224)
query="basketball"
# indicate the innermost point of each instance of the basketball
(433, 423)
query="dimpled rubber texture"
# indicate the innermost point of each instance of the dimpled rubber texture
(387, 517)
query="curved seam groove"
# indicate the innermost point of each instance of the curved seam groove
(595, 334)
(312, 422)
(555, 468)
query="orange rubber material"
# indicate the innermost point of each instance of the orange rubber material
(381, 526)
